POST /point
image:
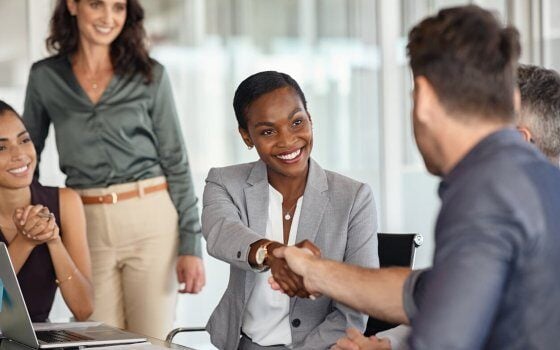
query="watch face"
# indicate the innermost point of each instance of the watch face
(261, 255)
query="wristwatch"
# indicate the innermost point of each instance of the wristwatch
(261, 255)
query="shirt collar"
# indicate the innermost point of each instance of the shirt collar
(487, 144)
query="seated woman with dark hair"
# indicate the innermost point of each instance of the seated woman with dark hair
(250, 210)
(32, 221)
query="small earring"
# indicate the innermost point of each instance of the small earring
(249, 147)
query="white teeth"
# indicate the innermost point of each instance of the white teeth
(18, 170)
(104, 30)
(290, 156)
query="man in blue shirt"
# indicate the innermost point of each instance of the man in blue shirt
(494, 283)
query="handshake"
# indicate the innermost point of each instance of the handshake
(289, 267)
(296, 271)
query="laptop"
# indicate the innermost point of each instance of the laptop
(15, 323)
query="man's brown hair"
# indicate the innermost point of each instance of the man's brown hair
(470, 59)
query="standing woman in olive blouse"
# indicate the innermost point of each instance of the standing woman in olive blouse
(120, 145)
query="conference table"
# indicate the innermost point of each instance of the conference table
(152, 344)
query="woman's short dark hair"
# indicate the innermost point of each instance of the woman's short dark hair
(129, 54)
(260, 84)
(4, 107)
(470, 59)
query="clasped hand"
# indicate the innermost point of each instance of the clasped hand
(283, 278)
(36, 224)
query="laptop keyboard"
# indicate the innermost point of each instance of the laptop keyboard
(60, 336)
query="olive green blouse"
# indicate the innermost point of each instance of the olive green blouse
(132, 133)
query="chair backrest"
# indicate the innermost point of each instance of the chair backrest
(394, 249)
(398, 249)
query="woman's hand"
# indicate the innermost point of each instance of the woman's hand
(36, 224)
(310, 246)
(288, 281)
(190, 271)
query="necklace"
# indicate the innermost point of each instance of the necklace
(94, 79)
(288, 215)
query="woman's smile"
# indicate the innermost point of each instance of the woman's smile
(103, 29)
(21, 171)
(290, 156)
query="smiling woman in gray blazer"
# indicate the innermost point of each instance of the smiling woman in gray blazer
(283, 198)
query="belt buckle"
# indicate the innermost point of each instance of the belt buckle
(114, 198)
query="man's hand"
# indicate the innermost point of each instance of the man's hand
(190, 271)
(287, 280)
(299, 261)
(355, 340)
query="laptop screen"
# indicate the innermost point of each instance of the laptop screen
(14, 318)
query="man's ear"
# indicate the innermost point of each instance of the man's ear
(246, 137)
(525, 133)
(425, 99)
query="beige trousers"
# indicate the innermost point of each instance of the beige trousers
(133, 246)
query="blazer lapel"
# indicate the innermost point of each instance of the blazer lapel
(256, 197)
(315, 200)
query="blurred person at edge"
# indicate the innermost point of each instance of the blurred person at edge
(538, 119)
(120, 145)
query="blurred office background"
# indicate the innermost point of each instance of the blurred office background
(349, 57)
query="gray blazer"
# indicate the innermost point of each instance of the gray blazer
(338, 215)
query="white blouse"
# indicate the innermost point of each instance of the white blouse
(266, 317)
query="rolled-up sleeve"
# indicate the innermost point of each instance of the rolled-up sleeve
(410, 307)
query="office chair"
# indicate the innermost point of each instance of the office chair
(394, 249)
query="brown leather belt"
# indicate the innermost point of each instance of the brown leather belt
(113, 197)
